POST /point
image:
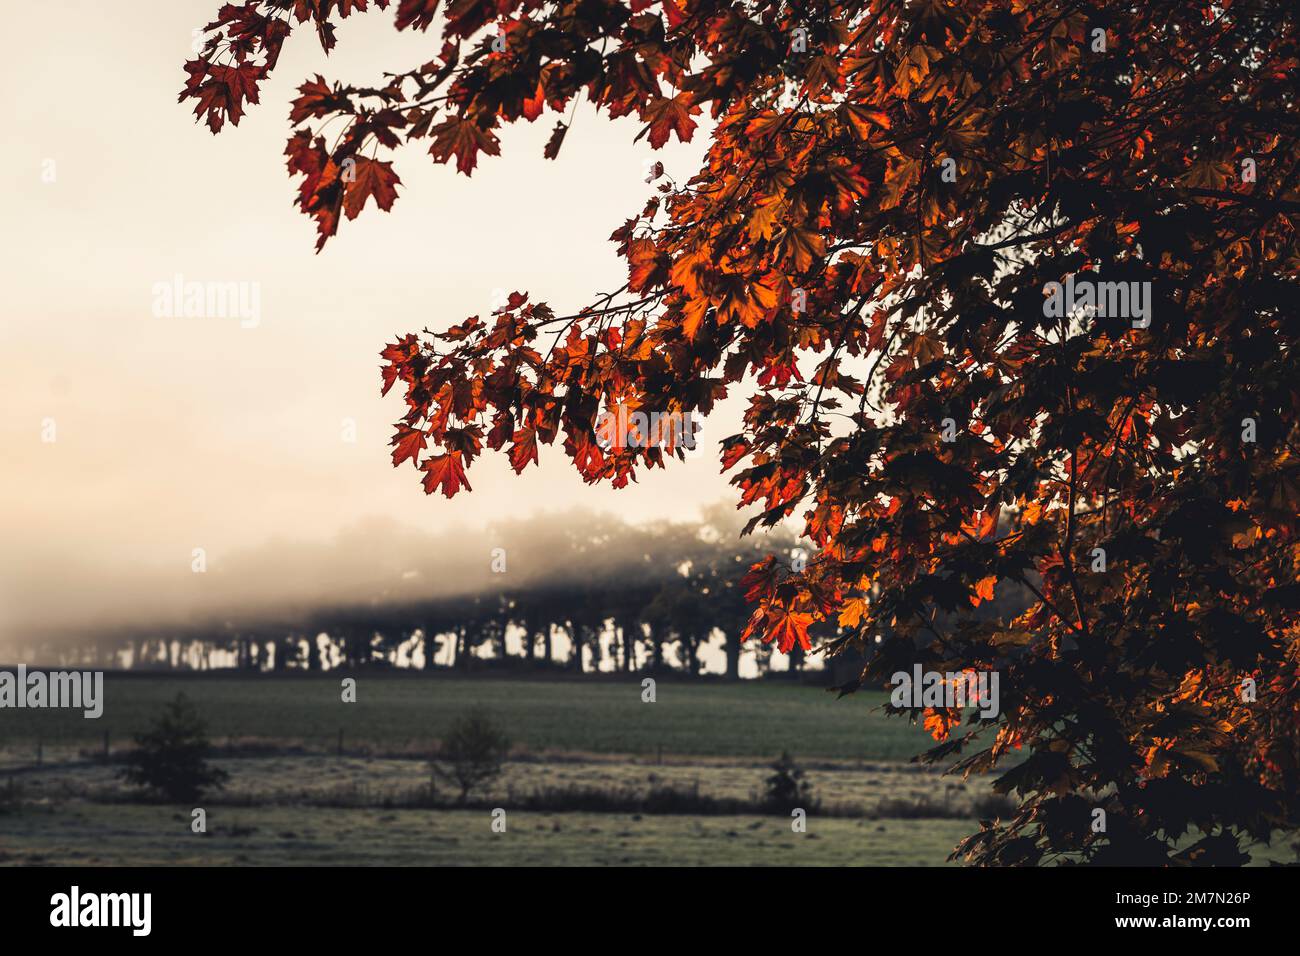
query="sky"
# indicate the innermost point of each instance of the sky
(129, 439)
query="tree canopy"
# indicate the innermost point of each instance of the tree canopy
(868, 252)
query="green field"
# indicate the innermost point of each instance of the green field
(294, 798)
(326, 780)
(401, 713)
(80, 834)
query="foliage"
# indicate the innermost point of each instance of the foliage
(823, 262)
(472, 752)
(171, 756)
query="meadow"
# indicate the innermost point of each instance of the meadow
(398, 713)
(295, 796)
(83, 834)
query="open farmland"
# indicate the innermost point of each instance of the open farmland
(405, 712)
(88, 834)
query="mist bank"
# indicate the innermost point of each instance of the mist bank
(364, 573)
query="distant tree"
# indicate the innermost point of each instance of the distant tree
(788, 789)
(472, 752)
(171, 756)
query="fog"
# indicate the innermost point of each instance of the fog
(129, 439)
(372, 564)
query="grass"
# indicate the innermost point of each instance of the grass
(883, 790)
(404, 712)
(79, 834)
(302, 804)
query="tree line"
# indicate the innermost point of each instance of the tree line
(573, 592)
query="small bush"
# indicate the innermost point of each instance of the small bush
(171, 756)
(472, 752)
(787, 789)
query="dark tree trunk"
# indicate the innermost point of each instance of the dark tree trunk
(462, 652)
(733, 656)
(627, 644)
(287, 652)
(530, 642)
(575, 658)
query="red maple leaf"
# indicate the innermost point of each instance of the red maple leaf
(447, 471)
(666, 116)
(370, 177)
(408, 442)
(463, 139)
(221, 90)
(787, 627)
(523, 448)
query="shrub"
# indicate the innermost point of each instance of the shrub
(472, 752)
(171, 756)
(787, 789)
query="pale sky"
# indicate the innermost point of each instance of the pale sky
(175, 433)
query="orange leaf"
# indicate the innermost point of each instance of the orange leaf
(409, 443)
(464, 139)
(524, 448)
(667, 116)
(447, 471)
(852, 611)
(786, 627)
(369, 178)
(984, 589)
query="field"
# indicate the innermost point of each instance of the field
(296, 797)
(87, 834)
(405, 712)
(706, 785)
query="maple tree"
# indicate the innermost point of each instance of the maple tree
(888, 190)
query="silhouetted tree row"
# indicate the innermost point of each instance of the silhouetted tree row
(571, 593)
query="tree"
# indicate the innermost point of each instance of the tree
(472, 751)
(171, 756)
(897, 202)
(787, 788)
